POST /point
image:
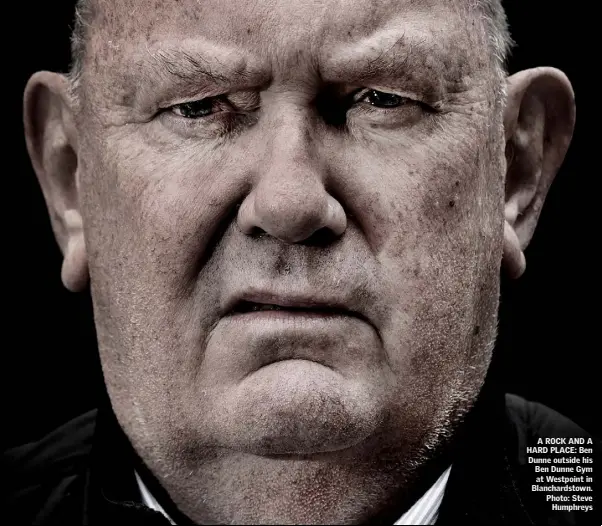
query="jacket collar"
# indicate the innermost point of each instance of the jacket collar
(483, 487)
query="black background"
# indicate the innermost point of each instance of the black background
(547, 325)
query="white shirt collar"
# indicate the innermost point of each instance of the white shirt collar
(424, 511)
(149, 500)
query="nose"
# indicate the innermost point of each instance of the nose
(290, 201)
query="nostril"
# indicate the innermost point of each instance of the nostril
(257, 232)
(320, 238)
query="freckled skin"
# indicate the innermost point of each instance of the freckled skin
(171, 211)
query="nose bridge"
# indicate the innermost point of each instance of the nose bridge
(292, 156)
(289, 200)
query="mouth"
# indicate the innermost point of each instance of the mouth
(290, 307)
(246, 307)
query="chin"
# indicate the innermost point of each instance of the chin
(300, 408)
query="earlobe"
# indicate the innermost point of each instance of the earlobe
(539, 120)
(74, 272)
(514, 261)
(52, 146)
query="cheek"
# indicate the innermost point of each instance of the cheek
(438, 247)
(156, 210)
(151, 220)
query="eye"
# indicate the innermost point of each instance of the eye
(381, 99)
(195, 109)
(216, 116)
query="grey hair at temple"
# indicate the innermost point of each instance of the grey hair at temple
(493, 15)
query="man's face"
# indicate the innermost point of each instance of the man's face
(343, 158)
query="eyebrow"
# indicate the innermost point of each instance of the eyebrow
(171, 68)
(188, 65)
(412, 57)
(373, 55)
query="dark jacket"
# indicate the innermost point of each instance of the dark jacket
(83, 473)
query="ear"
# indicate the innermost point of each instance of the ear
(52, 145)
(539, 120)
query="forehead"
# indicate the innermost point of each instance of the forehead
(287, 26)
(272, 18)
